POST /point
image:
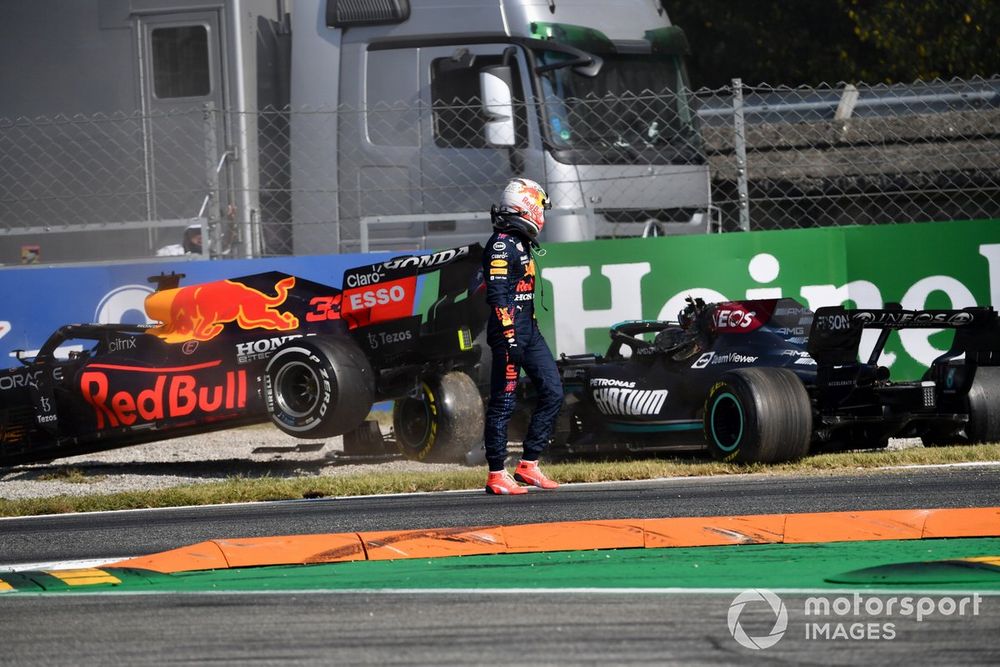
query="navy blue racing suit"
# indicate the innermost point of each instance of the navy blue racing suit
(516, 343)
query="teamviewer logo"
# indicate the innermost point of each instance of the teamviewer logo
(757, 596)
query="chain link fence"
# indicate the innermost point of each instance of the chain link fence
(408, 175)
(855, 154)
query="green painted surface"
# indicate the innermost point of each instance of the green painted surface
(729, 567)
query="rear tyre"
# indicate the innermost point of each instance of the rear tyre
(443, 423)
(319, 387)
(758, 415)
(983, 407)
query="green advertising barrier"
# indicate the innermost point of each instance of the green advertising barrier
(589, 286)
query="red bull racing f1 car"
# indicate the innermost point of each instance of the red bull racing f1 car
(769, 380)
(309, 357)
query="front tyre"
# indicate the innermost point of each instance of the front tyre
(758, 415)
(442, 423)
(319, 387)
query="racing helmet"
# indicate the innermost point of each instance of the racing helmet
(688, 317)
(522, 207)
(676, 342)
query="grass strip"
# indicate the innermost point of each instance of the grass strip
(248, 489)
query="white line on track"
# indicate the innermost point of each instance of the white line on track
(967, 464)
(545, 591)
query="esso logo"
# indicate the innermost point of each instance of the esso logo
(734, 319)
(377, 297)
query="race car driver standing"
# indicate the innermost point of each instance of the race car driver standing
(514, 338)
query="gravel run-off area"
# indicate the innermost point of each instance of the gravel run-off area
(252, 451)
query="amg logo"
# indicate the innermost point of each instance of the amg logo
(617, 401)
(260, 349)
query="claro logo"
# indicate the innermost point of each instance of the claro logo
(167, 394)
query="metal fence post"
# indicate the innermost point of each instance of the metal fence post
(740, 146)
(210, 237)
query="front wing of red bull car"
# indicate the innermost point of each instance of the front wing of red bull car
(310, 357)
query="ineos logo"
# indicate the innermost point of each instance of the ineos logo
(757, 595)
(734, 319)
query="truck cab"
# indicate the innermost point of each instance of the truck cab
(331, 126)
(441, 103)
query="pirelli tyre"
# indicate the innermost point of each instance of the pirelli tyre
(983, 407)
(319, 386)
(442, 423)
(758, 415)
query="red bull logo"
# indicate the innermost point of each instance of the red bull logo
(166, 393)
(200, 312)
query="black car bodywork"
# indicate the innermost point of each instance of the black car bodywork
(310, 357)
(769, 380)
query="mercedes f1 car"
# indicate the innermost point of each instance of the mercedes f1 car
(311, 358)
(769, 381)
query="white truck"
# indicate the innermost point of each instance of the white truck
(319, 126)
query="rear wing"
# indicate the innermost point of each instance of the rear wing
(836, 331)
(408, 285)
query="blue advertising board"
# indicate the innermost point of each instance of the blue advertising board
(38, 300)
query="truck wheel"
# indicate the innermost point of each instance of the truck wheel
(319, 387)
(983, 406)
(443, 423)
(758, 415)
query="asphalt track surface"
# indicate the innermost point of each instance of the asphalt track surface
(124, 534)
(572, 627)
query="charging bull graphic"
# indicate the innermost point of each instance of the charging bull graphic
(199, 312)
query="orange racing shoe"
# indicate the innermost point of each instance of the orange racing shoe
(502, 484)
(527, 472)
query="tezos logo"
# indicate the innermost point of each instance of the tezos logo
(780, 619)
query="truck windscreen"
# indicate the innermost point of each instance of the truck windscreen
(636, 109)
